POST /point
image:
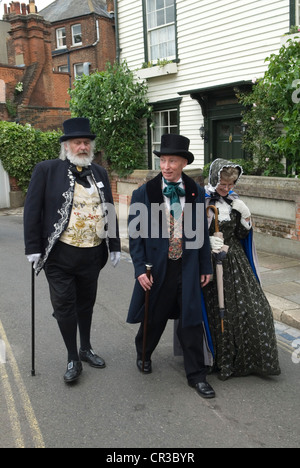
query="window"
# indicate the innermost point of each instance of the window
(63, 69)
(76, 34)
(297, 12)
(165, 121)
(78, 70)
(161, 30)
(61, 40)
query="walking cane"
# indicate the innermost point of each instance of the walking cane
(32, 320)
(146, 317)
(219, 256)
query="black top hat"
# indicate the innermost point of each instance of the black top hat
(175, 145)
(77, 128)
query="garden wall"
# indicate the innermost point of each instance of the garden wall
(274, 203)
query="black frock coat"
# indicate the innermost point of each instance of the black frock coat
(195, 262)
(48, 206)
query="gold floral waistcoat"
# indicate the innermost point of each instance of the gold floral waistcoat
(86, 225)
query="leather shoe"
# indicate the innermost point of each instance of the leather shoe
(147, 366)
(73, 371)
(204, 389)
(92, 358)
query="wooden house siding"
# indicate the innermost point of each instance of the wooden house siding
(219, 42)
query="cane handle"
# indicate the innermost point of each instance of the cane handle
(149, 268)
(215, 209)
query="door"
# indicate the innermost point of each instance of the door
(228, 139)
(4, 188)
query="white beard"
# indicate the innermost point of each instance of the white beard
(80, 160)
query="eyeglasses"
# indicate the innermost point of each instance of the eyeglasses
(226, 186)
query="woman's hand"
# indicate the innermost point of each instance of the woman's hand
(205, 279)
(240, 206)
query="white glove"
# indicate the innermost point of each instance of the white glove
(34, 258)
(240, 206)
(115, 258)
(216, 243)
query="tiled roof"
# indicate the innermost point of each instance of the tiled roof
(61, 10)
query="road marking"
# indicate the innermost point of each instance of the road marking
(11, 407)
(285, 347)
(26, 403)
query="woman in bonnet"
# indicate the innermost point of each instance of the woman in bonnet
(248, 343)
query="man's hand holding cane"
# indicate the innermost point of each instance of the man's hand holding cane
(145, 281)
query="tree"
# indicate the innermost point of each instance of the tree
(273, 114)
(116, 105)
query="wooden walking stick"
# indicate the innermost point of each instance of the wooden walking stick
(219, 256)
(33, 320)
(146, 317)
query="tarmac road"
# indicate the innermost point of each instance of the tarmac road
(117, 407)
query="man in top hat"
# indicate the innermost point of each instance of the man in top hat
(180, 266)
(69, 227)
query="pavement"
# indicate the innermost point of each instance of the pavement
(280, 280)
(119, 408)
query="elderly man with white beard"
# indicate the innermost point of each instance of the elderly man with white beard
(69, 227)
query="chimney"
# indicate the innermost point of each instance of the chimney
(110, 6)
(15, 8)
(32, 8)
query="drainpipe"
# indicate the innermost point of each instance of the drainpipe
(69, 68)
(118, 50)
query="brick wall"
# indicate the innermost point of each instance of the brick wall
(11, 75)
(44, 118)
(97, 53)
(44, 100)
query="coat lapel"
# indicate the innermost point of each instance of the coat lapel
(191, 191)
(154, 190)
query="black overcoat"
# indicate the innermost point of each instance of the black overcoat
(195, 262)
(49, 202)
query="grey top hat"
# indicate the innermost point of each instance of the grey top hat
(175, 145)
(77, 128)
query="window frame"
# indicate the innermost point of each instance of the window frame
(297, 12)
(62, 38)
(147, 31)
(172, 105)
(74, 44)
(63, 71)
(294, 13)
(76, 75)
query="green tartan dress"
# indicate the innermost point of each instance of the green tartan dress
(248, 345)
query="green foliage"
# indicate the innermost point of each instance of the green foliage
(273, 115)
(116, 105)
(22, 147)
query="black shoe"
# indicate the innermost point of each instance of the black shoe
(92, 358)
(204, 389)
(147, 366)
(73, 371)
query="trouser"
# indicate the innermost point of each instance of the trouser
(72, 274)
(191, 338)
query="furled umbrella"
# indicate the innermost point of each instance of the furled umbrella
(219, 256)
